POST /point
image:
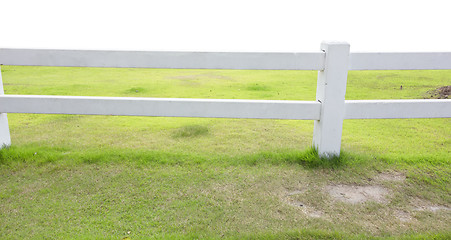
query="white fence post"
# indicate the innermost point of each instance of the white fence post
(5, 137)
(330, 91)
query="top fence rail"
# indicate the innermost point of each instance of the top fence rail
(400, 61)
(220, 60)
(182, 60)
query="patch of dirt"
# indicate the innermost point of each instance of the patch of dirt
(391, 177)
(439, 93)
(434, 208)
(296, 192)
(403, 216)
(422, 205)
(311, 212)
(357, 194)
(307, 210)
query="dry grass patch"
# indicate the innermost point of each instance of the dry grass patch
(357, 194)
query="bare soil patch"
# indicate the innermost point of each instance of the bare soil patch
(292, 200)
(422, 205)
(357, 194)
(403, 216)
(439, 93)
(391, 177)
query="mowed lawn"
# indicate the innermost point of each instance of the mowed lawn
(110, 177)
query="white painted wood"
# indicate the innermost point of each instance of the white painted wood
(400, 61)
(219, 60)
(183, 60)
(330, 91)
(328, 112)
(164, 107)
(373, 109)
(5, 137)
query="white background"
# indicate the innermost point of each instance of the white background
(230, 25)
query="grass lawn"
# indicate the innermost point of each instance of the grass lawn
(110, 177)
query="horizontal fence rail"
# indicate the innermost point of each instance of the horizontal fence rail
(219, 60)
(328, 111)
(161, 107)
(182, 60)
(373, 109)
(400, 61)
(220, 108)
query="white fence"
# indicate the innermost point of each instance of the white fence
(329, 111)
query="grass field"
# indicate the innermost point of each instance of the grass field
(106, 177)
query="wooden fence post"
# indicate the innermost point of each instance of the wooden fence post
(330, 92)
(5, 138)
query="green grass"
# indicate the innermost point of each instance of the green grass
(191, 131)
(85, 177)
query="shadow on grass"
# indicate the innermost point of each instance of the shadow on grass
(308, 158)
(190, 131)
(42, 155)
(38, 155)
